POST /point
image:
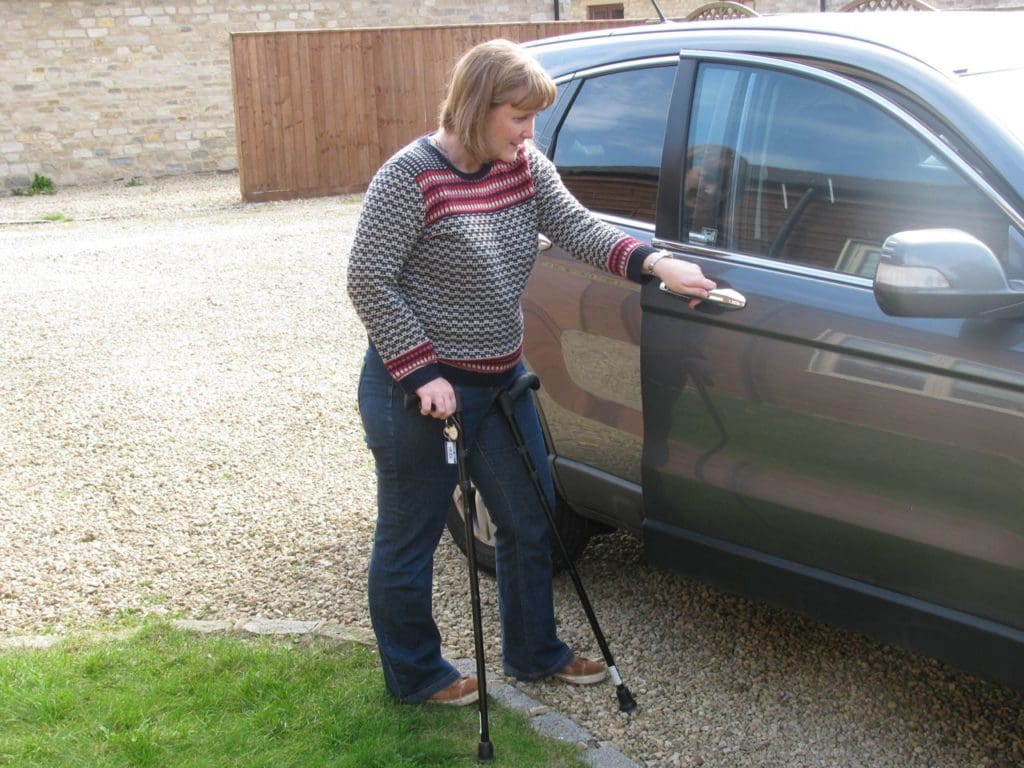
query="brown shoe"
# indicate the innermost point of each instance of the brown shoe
(582, 671)
(460, 693)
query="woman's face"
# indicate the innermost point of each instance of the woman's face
(507, 128)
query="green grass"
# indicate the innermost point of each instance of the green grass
(165, 697)
(41, 185)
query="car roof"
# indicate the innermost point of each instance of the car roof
(918, 53)
(952, 42)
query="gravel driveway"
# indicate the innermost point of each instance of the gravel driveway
(178, 433)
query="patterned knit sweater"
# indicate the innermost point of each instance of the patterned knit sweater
(441, 259)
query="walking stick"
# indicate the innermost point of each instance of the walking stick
(505, 401)
(455, 453)
(453, 433)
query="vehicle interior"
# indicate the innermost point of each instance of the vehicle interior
(812, 174)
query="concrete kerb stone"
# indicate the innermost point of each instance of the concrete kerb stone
(205, 627)
(28, 642)
(340, 634)
(43, 642)
(259, 626)
(552, 725)
(547, 723)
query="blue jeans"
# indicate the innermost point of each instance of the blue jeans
(414, 492)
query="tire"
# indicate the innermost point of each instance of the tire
(574, 530)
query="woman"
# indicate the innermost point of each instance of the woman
(446, 240)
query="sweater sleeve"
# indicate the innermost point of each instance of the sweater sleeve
(575, 229)
(389, 224)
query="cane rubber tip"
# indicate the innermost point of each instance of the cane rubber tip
(626, 701)
(485, 752)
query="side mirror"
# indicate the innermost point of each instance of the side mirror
(943, 273)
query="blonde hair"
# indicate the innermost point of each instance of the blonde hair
(488, 75)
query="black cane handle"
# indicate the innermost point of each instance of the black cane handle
(414, 400)
(521, 384)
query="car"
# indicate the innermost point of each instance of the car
(847, 441)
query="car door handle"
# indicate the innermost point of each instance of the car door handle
(543, 243)
(723, 297)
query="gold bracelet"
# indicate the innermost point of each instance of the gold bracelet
(654, 259)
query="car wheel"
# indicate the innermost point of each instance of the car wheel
(574, 530)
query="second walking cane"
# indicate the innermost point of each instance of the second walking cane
(506, 401)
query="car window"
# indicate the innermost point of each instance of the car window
(608, 149)
(784, 166)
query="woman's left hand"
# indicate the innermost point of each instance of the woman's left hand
(684, 277)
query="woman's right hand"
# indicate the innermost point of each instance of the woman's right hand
(684, 277)
(437, 398)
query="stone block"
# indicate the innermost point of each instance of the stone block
(559, 727)
(204, 627)
(278, 627)
(342, 634)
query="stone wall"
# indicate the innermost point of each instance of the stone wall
(679, 9)
(102, 90)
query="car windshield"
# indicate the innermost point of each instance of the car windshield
(995, 91)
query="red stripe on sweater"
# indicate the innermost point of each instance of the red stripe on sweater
(422, 355)
(445, 193)
(488, 364)
(407, 362)
(618, 259)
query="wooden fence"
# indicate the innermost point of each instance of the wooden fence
(317, 112)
